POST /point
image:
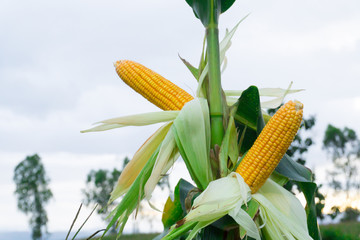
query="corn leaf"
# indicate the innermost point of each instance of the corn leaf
(248, 109)
(203, 10)
(309, 189)
(293, 170)
(207, 11)
(140, 158)
(192, 135)
(248, 118)
(173, 210)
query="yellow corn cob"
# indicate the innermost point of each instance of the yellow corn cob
(152, 86)
(271, 145)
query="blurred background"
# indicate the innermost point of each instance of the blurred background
(57, 78)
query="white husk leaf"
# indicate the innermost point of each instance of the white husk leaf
(245, 221)
(219, 198)
(135, 120)
(223, 196)
(283, 211)
(167, 156)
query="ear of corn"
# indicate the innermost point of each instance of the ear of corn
(152, 86)
(271, 145)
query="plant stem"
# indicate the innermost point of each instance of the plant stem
(215, 90)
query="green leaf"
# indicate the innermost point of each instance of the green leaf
(293, 170)
(248, 110)
(309, 189)
(207, 11)
(278, 178)
(184, 188)
(173, 210)
(248, 118)
(226, 4)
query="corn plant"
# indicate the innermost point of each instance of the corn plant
(233, 151)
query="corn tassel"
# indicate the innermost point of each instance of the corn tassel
(152, 86)
(271, 145)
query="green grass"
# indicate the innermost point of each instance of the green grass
(346, 231)
(133, 236)
(341, 231)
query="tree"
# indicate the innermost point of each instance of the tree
(343, 146)
(33, 193)
(99, 186)
(351, 215)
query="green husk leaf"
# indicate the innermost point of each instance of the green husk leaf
(229, 148)
(192, 135)
(133, 197)
(168, 154)
(194, 71)
(140, 158)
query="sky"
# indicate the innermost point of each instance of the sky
(57, 78)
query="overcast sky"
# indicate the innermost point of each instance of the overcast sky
(57, 78)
